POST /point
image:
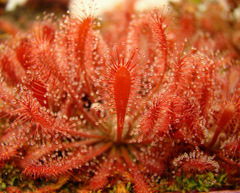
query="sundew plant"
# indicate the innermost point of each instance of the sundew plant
(133, 97)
